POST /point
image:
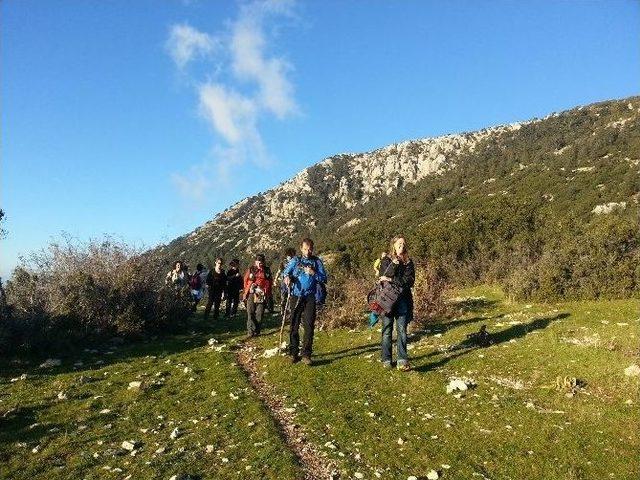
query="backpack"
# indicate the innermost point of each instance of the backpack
(383, 297)
(195, 282)
(321, 293)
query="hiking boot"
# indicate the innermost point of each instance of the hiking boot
(386, 364)
(306, 360)
(404, 367)
(294, 359)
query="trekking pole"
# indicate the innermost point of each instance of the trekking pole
(284, 316)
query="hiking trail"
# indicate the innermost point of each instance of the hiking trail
(314, 463)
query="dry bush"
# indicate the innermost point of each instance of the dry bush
(346, 304)
(429, 294)
(74, 292)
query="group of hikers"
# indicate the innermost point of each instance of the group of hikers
(302, 280)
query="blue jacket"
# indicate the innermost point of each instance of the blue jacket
(303, 284)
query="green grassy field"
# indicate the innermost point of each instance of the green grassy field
(513, 425)
(189, 386)
(373, 423)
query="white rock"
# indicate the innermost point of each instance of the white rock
(209, 449)
(104, 411)
(130, 445)
(175, 433)
(134, 385)
(632, 370)
(607, 208)
(460, 384)
(358, 475)
(161, 450)
(21, 377)
(433, 475)
(212, 341)
(271, 352)
(51, 362)
(62, 396)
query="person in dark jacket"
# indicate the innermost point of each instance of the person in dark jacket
(302, 274)
(234, 287)
(397, 267)
(257, 288)
(217, 283)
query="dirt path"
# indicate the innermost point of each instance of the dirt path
(314, 463)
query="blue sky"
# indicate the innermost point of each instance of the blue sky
(143, 119)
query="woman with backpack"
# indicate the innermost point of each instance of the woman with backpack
(196, 283)
(257, 288)
(398, 268)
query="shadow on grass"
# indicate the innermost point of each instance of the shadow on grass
(512, 333)
(195, 335)
(20, 425)
(474, 304)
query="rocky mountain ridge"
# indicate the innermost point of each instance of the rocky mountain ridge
(266, 221)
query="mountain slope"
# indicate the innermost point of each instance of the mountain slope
(553, 169)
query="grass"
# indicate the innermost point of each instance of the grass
(393, 424)
(515, 424)
(74, 440)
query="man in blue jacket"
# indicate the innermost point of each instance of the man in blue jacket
(302, 275)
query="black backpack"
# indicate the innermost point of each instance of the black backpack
(383, 297)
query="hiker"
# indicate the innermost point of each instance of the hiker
(284, 289)
(197, 283)
(217, 283)
(257, 288)
(234, 286)
(397, 267)
(302, 275)
(176, 277)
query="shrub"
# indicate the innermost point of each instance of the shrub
(346, 304)
(72, 292)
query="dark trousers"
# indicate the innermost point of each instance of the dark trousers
(233, 298)
(254, 316)
(215, 299)
(302, 311)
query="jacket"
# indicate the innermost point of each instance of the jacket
(260, 277)
(235, 281)
(403, 274)
(304, 284)
(217, 282)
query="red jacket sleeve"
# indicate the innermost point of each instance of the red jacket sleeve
(247, 283)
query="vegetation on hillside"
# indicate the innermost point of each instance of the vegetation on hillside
(72, 293)
(518, 210)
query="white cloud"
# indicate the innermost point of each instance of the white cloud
(250, 63)
(185, 43)
(251, 84)
(231, 114)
